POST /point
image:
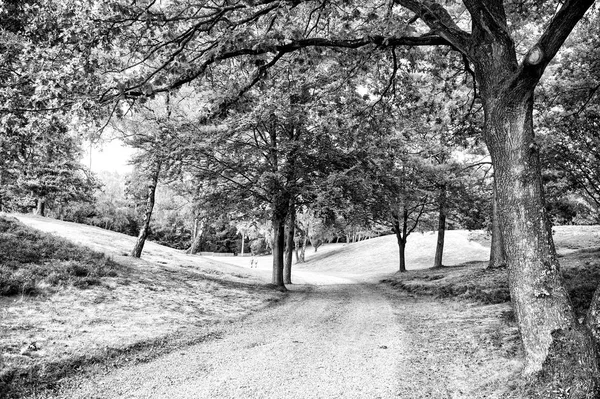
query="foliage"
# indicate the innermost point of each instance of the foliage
(44, 167)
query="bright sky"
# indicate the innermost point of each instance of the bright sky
(109, 156)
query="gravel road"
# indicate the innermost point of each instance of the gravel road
(327, 341)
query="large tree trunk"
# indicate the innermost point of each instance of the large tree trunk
(141, 240)
(592, 320)
(557, 351)
(497, 254)
(289, 246)
(551, 337)
(439, 249)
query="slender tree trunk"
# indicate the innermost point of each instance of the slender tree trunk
(40, 209)
(141, 240)
(243, 238)
(197, 239)
(497, 254)
(287, 267)
(401, 240)
(544, 313)
(303, 249)
(439, 249)
(316, 244)
(297, 250)
(402, 255)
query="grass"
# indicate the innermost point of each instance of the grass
(32, 263)
(579, 258)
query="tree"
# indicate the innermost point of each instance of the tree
(151, 130)
(42, 168)
(400, 200)
(38, 150)
(273, 149)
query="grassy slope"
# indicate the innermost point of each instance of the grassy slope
(66, 306)
(380, 255)
(579, 251)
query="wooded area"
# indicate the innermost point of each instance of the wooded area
(268, 125)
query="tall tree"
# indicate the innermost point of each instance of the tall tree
(277, 144)
(151, 130)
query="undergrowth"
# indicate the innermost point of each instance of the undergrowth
(31, 261)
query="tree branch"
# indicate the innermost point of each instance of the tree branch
(441, 23)
(281, 49)
(561, 25)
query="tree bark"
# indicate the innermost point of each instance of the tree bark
(289, 247)
(439, 249)
(592, 320)
(278, 244)
(497, 254)
(243, 238)
(539, 297)
(402, 255)
(141, 240)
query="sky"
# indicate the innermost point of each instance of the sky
(110, 156)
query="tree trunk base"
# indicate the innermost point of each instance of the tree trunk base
(570, 370)
(280, 288)
(494, 266)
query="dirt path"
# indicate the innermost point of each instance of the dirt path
(330, 341)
